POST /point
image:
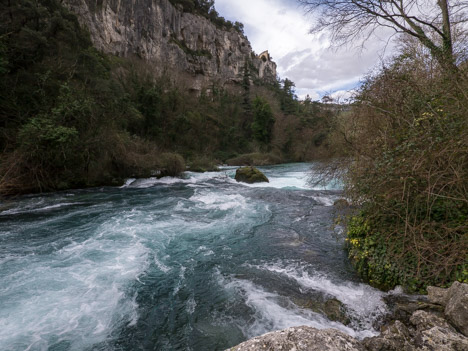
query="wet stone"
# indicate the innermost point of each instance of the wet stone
(250, 175)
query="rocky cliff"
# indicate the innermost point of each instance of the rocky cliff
(169, 38)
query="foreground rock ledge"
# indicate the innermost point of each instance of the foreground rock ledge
(438, 322)
(301, 339)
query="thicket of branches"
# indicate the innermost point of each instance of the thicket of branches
(408, 169)
(437, 24)
(404, 144)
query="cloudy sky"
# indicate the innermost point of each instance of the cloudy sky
(282, 28)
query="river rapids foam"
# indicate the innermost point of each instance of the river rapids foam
(198, 262)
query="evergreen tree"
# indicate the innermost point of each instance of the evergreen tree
(246, 87)
(262, 126)
(288, 97)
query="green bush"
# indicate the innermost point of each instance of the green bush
(203, 164)
(171, 165)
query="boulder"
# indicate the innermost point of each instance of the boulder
(250, 175)
(440, 339)
(429, 332)
(393, 337)
(437, 295)
(332, 308)
(433, 332)
(456, 309)
(423, 320)
(302, 339)
(403, 306)
(335, 311)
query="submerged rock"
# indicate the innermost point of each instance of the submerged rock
(332, 308)
(302, 339)
(335, 311)
(250, 175)
(202, 169)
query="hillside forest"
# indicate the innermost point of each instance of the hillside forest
(71, 116)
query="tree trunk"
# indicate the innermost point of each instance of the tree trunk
(447, 44)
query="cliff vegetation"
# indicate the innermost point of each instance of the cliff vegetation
(206, 8)
(73, 116)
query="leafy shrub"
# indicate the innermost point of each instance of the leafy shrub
(203, 164)
(171, 165)
(408, 168)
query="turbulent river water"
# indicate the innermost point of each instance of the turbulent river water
(198, 263)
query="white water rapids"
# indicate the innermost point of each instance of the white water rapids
(194, 263)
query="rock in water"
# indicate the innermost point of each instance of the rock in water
(250, 175)
(335, 311)
(302, 339)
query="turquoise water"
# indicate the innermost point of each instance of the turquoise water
(199, 263)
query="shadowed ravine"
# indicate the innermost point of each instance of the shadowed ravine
(201, 263)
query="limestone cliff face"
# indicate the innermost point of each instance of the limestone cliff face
(162, 34)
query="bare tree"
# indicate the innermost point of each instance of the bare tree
(429, 21)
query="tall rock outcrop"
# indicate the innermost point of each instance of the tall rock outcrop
(169, 38)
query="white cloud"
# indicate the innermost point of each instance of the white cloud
(343, 96)
(282, 27)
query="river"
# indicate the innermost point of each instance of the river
(194, 263)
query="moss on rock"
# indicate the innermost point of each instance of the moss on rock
(250, 175)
